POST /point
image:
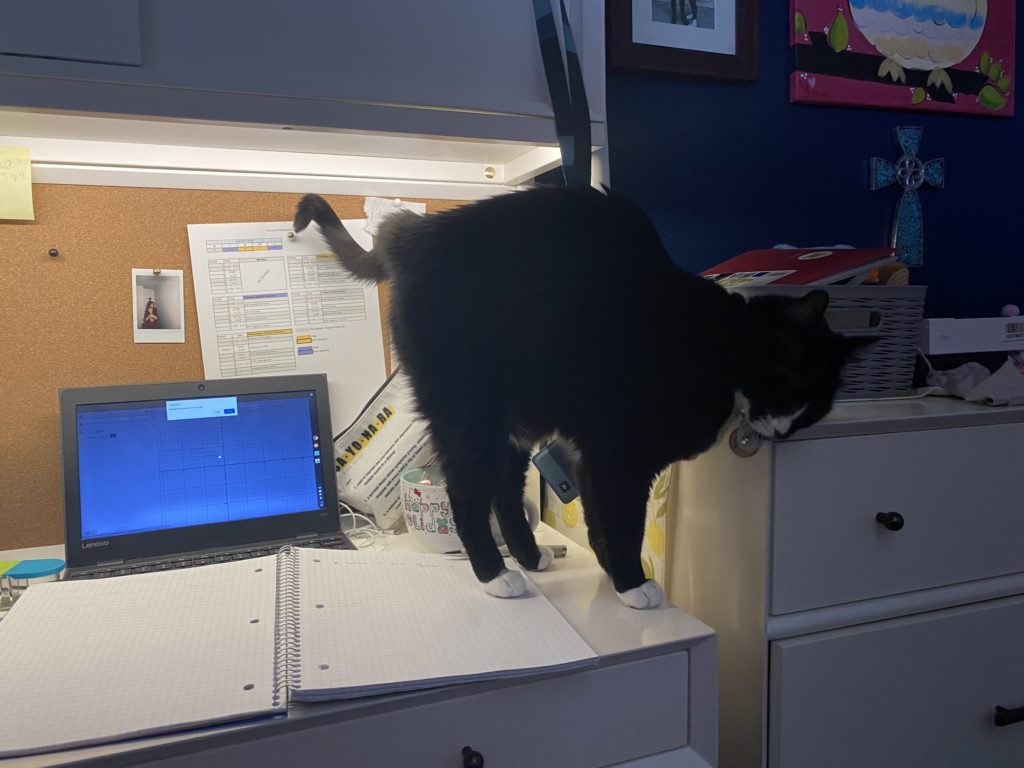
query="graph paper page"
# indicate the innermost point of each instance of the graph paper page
(87, 662)
(373, 622)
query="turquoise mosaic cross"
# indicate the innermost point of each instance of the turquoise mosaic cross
(911, 174)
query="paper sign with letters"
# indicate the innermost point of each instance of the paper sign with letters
(15, 184)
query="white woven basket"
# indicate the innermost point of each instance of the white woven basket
(885, 369)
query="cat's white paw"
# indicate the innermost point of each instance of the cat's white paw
(506, 584)
(546, 556)
(647, 595)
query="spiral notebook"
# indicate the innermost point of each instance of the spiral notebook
(87, 662)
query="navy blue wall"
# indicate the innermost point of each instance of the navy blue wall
(726, 168)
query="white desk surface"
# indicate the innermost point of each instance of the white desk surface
(576, 586)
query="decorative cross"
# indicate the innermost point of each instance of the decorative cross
(910, 173)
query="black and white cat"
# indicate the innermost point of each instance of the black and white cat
(559, 310)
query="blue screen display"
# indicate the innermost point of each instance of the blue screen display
(156, 465)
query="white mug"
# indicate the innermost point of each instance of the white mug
(428, 511)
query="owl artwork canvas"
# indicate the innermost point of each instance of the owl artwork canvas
(936, 55)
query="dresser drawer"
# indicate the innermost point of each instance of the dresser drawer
(920, 691)
(568, 720)
(957, 490)
(546, 722)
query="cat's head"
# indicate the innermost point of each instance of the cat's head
(792, 362)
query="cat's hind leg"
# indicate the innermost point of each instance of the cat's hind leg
(508, 509)
(614, 496)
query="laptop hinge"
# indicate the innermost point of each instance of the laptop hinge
(108, 562)
(307, 535)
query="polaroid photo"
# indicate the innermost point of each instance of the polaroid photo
(158, 306)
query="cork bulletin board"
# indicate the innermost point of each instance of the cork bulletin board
(64, 320)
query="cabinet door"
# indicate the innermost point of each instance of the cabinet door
(458, 68)
(919, 691)
(105, 31)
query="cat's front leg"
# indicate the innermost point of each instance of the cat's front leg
(472, 476)
(614, 497)
(471, 510)
(647, 595)
(508, 509)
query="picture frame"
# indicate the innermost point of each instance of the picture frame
(708, 39)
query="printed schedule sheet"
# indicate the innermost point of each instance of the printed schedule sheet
(273, 303)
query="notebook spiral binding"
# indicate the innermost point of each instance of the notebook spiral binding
(287, 631)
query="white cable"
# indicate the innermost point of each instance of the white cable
(927, 362)
(363, 532)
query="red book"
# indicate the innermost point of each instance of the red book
(798, 266)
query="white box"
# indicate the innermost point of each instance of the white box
(947, 335)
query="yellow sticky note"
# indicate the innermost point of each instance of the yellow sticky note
(15, 184)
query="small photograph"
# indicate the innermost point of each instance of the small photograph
(158, 306)
(688, 13)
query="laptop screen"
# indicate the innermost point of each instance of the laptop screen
(171, 463)
(178, 467)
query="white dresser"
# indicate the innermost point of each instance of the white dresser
(866, 579)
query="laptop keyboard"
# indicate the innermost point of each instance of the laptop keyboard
(325, 542)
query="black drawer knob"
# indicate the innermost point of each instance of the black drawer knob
(471, 758)
(893, 521)
(1004, 716)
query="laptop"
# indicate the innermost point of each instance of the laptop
(176, 475)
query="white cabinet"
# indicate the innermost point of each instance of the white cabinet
(866, 579)
(397, 99)
(461, 68)
(649, 702)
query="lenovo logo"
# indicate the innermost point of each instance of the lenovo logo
(92, 544)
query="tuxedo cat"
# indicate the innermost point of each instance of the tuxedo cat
(558, 310)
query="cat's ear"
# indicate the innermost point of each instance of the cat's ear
(810, 308)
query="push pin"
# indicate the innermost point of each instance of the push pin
(291, 235)
(54, 253)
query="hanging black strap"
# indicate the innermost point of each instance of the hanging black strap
(568, 95)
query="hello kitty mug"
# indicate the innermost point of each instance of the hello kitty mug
(428, 511)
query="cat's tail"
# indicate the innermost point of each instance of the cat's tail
(362, 264)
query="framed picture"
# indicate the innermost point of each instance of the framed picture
(934, 55)
(714, 39)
